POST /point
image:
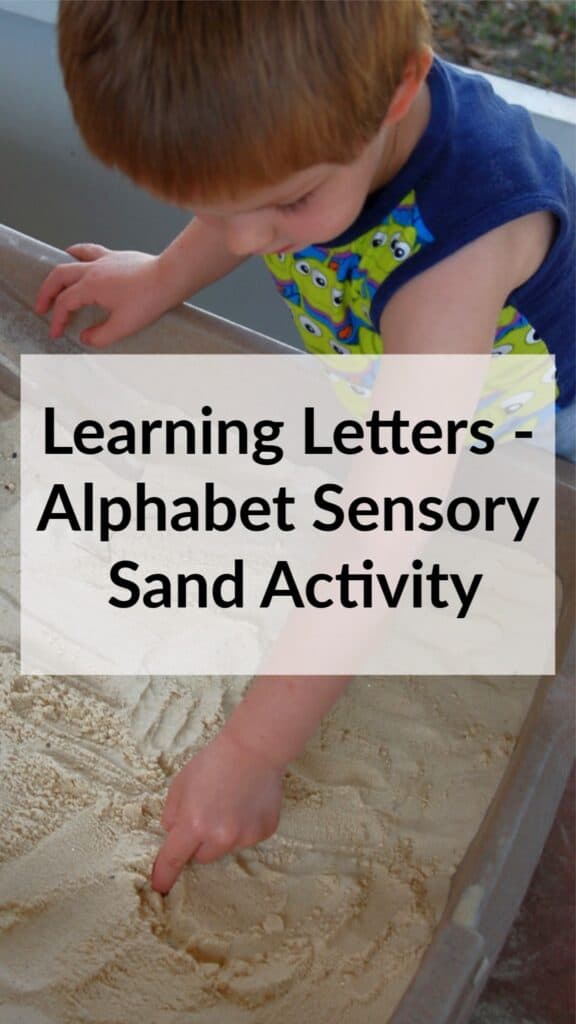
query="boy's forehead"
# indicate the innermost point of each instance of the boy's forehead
(285, 191)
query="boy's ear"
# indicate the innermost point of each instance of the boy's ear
(417, 67)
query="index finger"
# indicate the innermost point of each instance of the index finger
(179, 847)
(63, 276)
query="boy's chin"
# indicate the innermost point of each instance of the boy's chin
(275, 252)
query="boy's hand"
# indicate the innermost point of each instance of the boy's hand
(225, 798)
(126, 284)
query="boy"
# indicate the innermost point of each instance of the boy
(398, 203)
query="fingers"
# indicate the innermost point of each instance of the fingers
(103, 334)
(87, 251)
(66, 274)
(221, 839)
(209, 852)
(184, 843)
(170, 812)
(180, 846)
(74, 298)
(67, 302)
(227, 840)
(60, 278)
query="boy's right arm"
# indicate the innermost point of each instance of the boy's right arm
(133, 287)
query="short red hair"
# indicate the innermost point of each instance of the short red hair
(208, 100)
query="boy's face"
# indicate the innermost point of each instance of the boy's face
(309, 207)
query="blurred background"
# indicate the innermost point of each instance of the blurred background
(529, 40)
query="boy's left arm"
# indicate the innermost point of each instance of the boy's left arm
(453, 307)
(229, 795)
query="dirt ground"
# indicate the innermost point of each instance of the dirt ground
(529, 40)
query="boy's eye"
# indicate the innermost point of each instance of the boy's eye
(296, 205)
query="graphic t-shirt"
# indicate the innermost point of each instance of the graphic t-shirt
(479, 163)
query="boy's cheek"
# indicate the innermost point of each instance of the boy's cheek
(205, 218)
(338, 215)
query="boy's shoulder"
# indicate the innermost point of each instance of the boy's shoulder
(479, 166)
(479, 154)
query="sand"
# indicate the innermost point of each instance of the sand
(326, 921)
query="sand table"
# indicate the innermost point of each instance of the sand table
(325, 921)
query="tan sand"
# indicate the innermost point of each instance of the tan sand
(324, 922)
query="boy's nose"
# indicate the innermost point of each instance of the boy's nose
(246, 234)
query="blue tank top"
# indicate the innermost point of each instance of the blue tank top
(479, 163)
